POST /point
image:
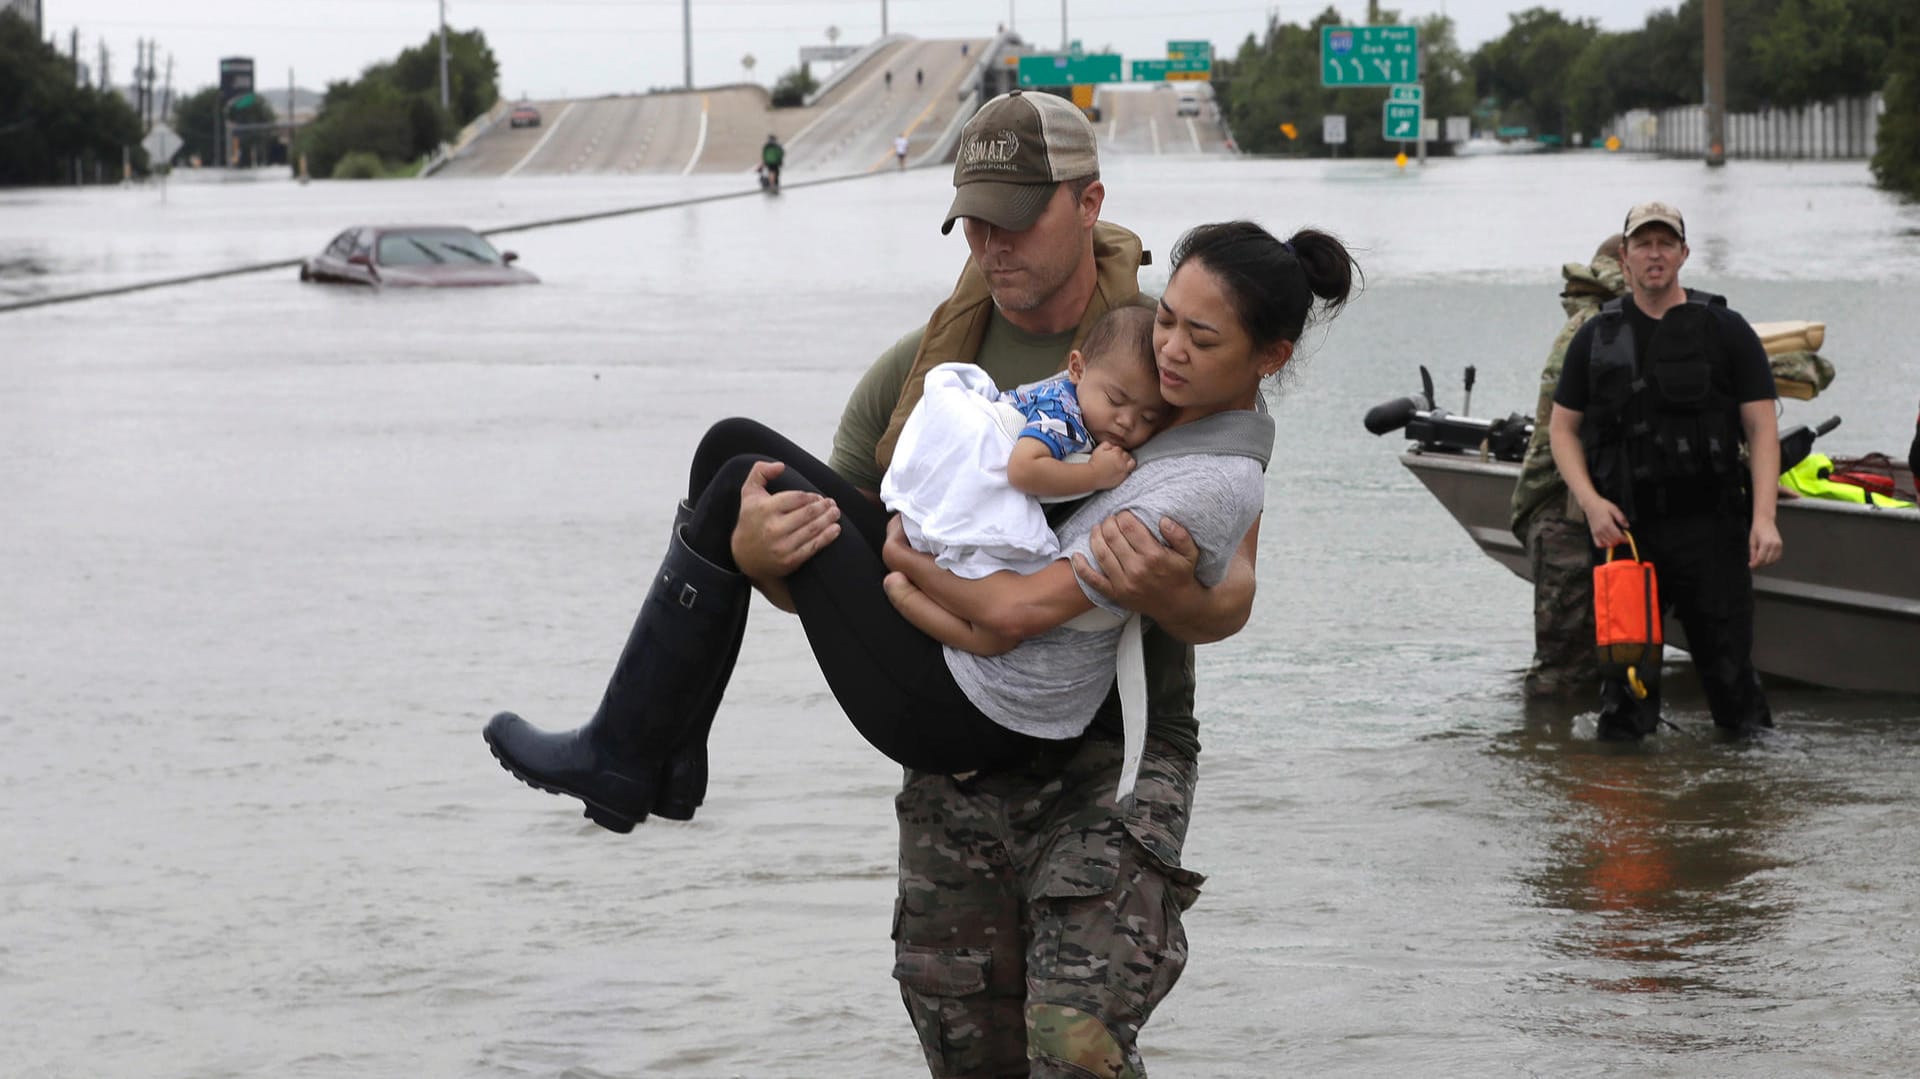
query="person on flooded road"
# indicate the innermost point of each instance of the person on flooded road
(1658, 395)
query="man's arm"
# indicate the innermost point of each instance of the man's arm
(1764, 545)
(776, 532)
(1605, 520)
(1158, 579)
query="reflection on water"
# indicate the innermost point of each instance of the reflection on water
(1655, 853)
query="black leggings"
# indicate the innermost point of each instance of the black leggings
(889, 677)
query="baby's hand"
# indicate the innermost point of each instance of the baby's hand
(1110, 465)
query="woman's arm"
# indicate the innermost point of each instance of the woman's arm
(1008, 604)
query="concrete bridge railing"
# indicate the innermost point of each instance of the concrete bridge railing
(1846, 129)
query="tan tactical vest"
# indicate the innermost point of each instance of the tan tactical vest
(959, 325)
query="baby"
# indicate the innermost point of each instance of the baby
(973, 464)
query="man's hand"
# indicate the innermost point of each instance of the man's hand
(1605, 521)
(1141, 573)
(1111, 464)
(1764, 545)
(777, 531)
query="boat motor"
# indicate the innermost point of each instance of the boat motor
(1439, 430)
(1796, 441)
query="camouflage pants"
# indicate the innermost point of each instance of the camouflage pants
(1037, 926)
(1560, 552)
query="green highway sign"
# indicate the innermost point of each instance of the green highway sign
(1174, 70)
(1054, 70)
(1411, 94)
(1400, 120)
(1189, 50)
(241, 102)
(1369, 55)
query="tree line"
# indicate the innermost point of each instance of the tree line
(389, 119)
(1563, 79)
(53, 129)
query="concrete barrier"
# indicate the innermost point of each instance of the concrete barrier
(1843, 130)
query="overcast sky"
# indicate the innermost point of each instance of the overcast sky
(558, 48)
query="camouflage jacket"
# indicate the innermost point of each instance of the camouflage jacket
(1588, 286)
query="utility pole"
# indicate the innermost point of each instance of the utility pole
(1063, 25)
(883, 18)
(686, 37)
(293, 160)
(166, 94)
(106, 82)
(446, 100)
(73, 54)
(1714, 29)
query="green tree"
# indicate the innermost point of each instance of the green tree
(1896, 161)
(392, 111)
(193, 121)
(49, 127)
(793, 87)
(1527, 70)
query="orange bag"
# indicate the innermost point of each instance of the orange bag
(1626, 615)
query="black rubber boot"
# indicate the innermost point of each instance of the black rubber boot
(683, 783)
(669, 678)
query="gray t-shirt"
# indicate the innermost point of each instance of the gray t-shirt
(1051, 685)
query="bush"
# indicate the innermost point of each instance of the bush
(792, 89)
(360, 165)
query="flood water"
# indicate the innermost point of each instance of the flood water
(272, 553)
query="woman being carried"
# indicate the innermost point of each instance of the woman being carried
(1235, 306)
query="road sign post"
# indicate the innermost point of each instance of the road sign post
(1333, 131)
(1369, 55)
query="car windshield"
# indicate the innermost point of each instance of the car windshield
(424, 247)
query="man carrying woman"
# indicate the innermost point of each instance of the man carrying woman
(1038, 923)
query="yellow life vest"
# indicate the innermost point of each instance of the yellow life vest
(1809, 478)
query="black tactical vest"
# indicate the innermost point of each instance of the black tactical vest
(1676, 420)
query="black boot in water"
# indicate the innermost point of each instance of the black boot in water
(684, 782)
(667, 682)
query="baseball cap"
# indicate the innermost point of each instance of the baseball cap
(1651, 213)
(1013, 153)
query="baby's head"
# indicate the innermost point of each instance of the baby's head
(1117, 380)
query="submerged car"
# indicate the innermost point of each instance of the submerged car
(412, 255)
(524, 116)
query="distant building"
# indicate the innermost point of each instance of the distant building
(26, 9)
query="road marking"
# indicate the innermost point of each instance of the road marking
(557, 121)
(699, 147)
(1195, 132)
(1112, 126)
(1153, 128)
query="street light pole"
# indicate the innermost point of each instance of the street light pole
(446, 99)
(1063, 26)
(1714, 29)
(686, 36)
(883, 18)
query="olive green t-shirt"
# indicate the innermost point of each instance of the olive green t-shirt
(1014, 357)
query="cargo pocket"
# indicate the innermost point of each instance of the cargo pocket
(946, 995)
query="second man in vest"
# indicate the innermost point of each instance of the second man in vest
(1656, 397)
